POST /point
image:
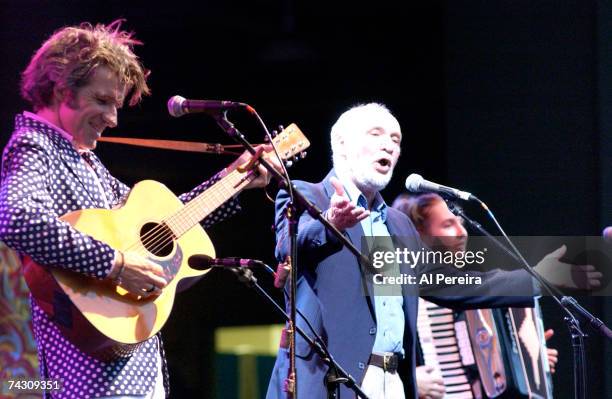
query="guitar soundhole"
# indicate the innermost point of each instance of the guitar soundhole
(157, 239)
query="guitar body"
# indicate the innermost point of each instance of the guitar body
(99, 317)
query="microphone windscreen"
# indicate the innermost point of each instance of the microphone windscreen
(200, 262)
(175, 106)
(413, 182)
(607, 234)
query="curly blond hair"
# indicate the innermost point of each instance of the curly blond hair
(70, 56)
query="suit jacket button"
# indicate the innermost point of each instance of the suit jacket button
(372, 330)
(361, 365)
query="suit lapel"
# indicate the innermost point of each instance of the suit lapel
(394, 226)
(354, 235)
(102, 174)
(76, 165)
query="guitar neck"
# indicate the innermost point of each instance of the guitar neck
(205, 203)
(290, 142)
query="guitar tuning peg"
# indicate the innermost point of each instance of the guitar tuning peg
(303, 154)
(280, 128)
(266, 139)
(289, 163)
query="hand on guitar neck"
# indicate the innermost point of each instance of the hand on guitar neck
(246, 161)
(138, 275)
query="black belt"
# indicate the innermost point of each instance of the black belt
(386, 362)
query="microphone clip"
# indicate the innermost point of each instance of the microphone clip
(226, 125)
(245, 275)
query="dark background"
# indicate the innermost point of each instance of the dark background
(507, 99)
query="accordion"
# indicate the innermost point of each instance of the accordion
(486, 353)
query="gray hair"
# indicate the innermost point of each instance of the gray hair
(357, 117)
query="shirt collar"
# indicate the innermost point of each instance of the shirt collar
(58, 129)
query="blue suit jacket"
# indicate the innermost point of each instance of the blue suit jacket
(332, 295)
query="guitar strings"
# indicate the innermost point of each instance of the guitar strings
(167, 236)
(151, 238)
(160, 232)
(154, 233)
(162, 235)
(158, 241)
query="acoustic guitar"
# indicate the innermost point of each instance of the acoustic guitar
(101, 318)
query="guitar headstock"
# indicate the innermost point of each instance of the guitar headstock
(291, 144)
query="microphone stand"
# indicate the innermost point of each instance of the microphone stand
(296, 205)
(567, 303)
(245, 275)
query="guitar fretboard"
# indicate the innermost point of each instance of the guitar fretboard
(205, 203)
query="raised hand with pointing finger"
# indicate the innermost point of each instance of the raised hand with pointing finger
(343, 214)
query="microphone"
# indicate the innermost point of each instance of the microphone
(607, 234)
(415, 183)
(179, 106)
(205, 262)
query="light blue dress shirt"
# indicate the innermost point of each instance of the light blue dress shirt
(388, 309)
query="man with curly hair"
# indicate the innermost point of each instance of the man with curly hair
(76, 81)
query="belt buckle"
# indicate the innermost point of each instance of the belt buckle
(386, 362)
